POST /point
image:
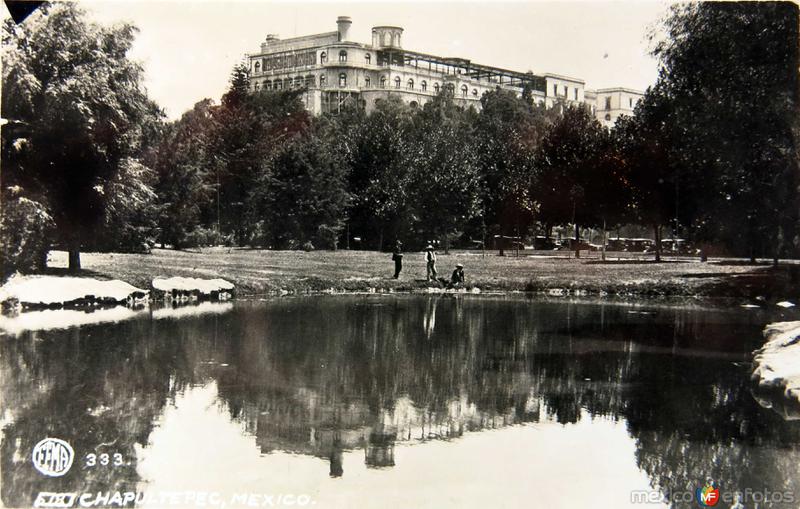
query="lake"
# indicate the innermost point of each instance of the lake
(396, 401)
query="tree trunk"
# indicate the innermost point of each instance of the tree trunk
(577, 241)
(603, 247)
(447, 244)
(74, 256)
(657, 232)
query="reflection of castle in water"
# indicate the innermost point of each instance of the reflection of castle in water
(384, 374)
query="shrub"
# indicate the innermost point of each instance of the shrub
(25, 226)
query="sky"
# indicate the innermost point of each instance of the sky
(189, 47)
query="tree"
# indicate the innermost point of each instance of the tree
(79, 112)
(729, 76)
(380, 155)
(445, 184)
(248, 129)
(303, 197)
(509, 131)
(569, 166)
(647, 149)
(184, 185)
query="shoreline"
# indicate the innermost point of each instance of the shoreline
(260, 273)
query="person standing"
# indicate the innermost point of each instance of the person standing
(397, 257)
(430, 258)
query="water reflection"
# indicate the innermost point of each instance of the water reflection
(324, 377)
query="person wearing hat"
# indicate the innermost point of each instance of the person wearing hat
(397, 257)
(430, 258)
(457, 279)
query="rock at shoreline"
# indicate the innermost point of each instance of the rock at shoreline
(39, 292)
(189, 288)
(776, 365)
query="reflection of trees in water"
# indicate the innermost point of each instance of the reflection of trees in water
(320, 376)
(99, 388)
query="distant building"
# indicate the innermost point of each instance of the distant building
(611, 103)
(337, 73)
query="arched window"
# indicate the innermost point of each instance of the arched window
(368, 58)
(258, 85)
(322, 80)
(397, 82)
(383, 81)
(436, 87)
(475, 92)
(323, 57)
(287, 83)
(464, 90)
(342, 80)
(413, 104)
(268, 85)
(423, 85)
(278, 85)
(258, 67)
(410, 84)
(608, 116)
(366, 81)
(342, 56)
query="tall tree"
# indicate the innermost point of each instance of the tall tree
(303, 196)
(79, 109)
(445, 184)
(568, 163)
(380, 155)
(509, 131)
(730, 73)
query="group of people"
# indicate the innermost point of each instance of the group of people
(456, 279)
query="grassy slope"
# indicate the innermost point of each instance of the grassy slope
(266, 272)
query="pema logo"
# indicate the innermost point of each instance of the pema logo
(708, 495)
(53, 457)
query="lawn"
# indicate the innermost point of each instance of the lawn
(258, 272)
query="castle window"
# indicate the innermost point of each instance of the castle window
(368, 58)
(257, 86)
(397, 82)
(464, 90)
(383, 81)
(366, 81)
(278, 85)
(322, 80)
(268, 85)
(410, 84)
(287, 83)
(608, 104)
(424, 85)
(342, 56)
(475, 92)
(298, 82)
(342, 80)
(608, 116)
(565, 90)
(555, 89)
(258, 67)
(630, 102)
(576, 94)
(323, 57)
(436, 87)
